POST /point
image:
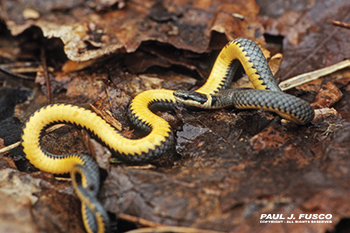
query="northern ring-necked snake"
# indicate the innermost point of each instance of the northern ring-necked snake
(84, 171)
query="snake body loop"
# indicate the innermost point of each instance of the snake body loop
(266, 95)
(160, 137)
(86, 181)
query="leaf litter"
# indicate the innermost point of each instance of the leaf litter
(228, 167)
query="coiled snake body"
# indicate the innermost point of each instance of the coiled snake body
(83, 169)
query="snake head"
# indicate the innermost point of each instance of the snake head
(191, 98)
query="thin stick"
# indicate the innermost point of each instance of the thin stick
(46, 74)
(10, 147)
(156, 227)
(341, 24)
(14, 74)
(310, 76)
(139, 221)
(172, 229)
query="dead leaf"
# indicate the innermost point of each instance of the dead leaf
(228, 166)
(124, 29)
(327, 96)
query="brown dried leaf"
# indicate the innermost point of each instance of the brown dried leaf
(324, 114)
(275, 62)
(327, 96)
(311, 41)
(185, 26)
(30, 206)
(218, 177)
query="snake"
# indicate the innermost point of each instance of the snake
(287, 106)
(159, 137)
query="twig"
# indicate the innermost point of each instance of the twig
(157, 227)
(172, 229)
(10, 147)
(341, 24)
(46, 74)
(14, 74)
(139, 221)
(307, 77)
(107, 93)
